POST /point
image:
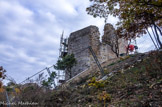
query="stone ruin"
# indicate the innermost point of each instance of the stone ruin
(90, 36)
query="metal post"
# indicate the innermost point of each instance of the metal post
(96, 60)
(8, 101)
(61, 40)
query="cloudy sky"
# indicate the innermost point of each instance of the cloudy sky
(30, 32)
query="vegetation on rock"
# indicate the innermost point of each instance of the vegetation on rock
(66, 63)
(50, 81)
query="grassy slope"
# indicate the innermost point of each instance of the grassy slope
(136, 82)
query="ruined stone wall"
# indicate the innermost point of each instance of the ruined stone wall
(78, 42)
(90, 36)
(108, 41)
(105, 53)
(122, 45)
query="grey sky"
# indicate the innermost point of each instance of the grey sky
(30, 31)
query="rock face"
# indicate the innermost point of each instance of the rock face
(79, 41)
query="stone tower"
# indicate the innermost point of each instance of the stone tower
(77, 44)
(79, 41)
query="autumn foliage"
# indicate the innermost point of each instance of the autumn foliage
(135, 16)
(2, 76)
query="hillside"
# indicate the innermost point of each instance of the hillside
(133, 81)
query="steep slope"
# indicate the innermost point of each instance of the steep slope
(133, 81)
(130, 81)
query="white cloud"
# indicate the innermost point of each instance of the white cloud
(50, 16)
(6, 51)
(31, 29)
(22, 55)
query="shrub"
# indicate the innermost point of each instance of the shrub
(104, 96)
(98, 84)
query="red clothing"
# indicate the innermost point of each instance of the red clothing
(131, 47)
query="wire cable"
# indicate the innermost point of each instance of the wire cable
(36, 74)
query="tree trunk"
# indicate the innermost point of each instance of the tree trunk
(115, 50)
(157, 35)
(159, 30)
(151, 38)
(117, 47)
(158, 45)
(70, 74)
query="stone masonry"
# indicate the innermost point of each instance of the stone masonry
(79, 41)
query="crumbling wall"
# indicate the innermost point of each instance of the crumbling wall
(79, 41)
(105, 53)
(109, 39)
(77, 44)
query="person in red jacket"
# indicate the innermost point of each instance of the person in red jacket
(131, 48)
